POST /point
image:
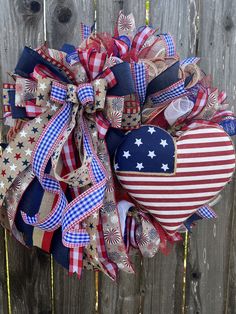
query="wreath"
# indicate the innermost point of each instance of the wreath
(114, 146)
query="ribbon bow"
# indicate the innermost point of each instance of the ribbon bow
(74, 100)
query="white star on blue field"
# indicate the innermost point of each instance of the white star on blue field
(147, 149)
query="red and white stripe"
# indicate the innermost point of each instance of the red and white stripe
(141, 37)
(205, 163)
(122, 47)
(102, 125)
(199, 104)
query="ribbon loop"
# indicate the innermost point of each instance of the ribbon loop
(58, 92)
(85, 93)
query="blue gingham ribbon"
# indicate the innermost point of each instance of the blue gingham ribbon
(85, 93)
(170, 93)
(72, 214)
(206, 212)
(85, 30)
(140, 78)
(41, 155)
(58, 92)
(169, 43)
(88, 202)
(191, 60)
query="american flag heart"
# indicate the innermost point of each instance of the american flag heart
(173, 186)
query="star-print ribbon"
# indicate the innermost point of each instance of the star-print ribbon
(69, 215)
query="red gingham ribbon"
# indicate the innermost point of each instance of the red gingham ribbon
(32, 110)
(93, 63)
(69, 162)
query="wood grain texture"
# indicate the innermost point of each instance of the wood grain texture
(72, 295)
(179, 18)
(21, 24)
(64, 18)
(230, 299)
(29, 279)
(107, 12)
(162, 282)
(138, 8)
(212, 267)
(123, 296)
(3, 277)
(208, 258)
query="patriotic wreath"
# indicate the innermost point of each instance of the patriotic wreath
(114, 146)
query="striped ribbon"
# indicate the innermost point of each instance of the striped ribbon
(122, 47)
(140, 38)
(132, 229)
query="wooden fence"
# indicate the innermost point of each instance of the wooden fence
(198, 277)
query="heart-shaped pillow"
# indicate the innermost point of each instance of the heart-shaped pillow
(172, 180)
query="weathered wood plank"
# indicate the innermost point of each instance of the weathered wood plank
(162, 284)
(179, 18)
(230, 299)
(122, 296)
(212, 265)
(63, 26)
(29, 279)
(107, 12)
(72, 295)
(3, 277)
(22, 24)
(208, 258)
(138, 8)
(64, 18)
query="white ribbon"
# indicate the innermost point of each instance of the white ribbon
(177, 109)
